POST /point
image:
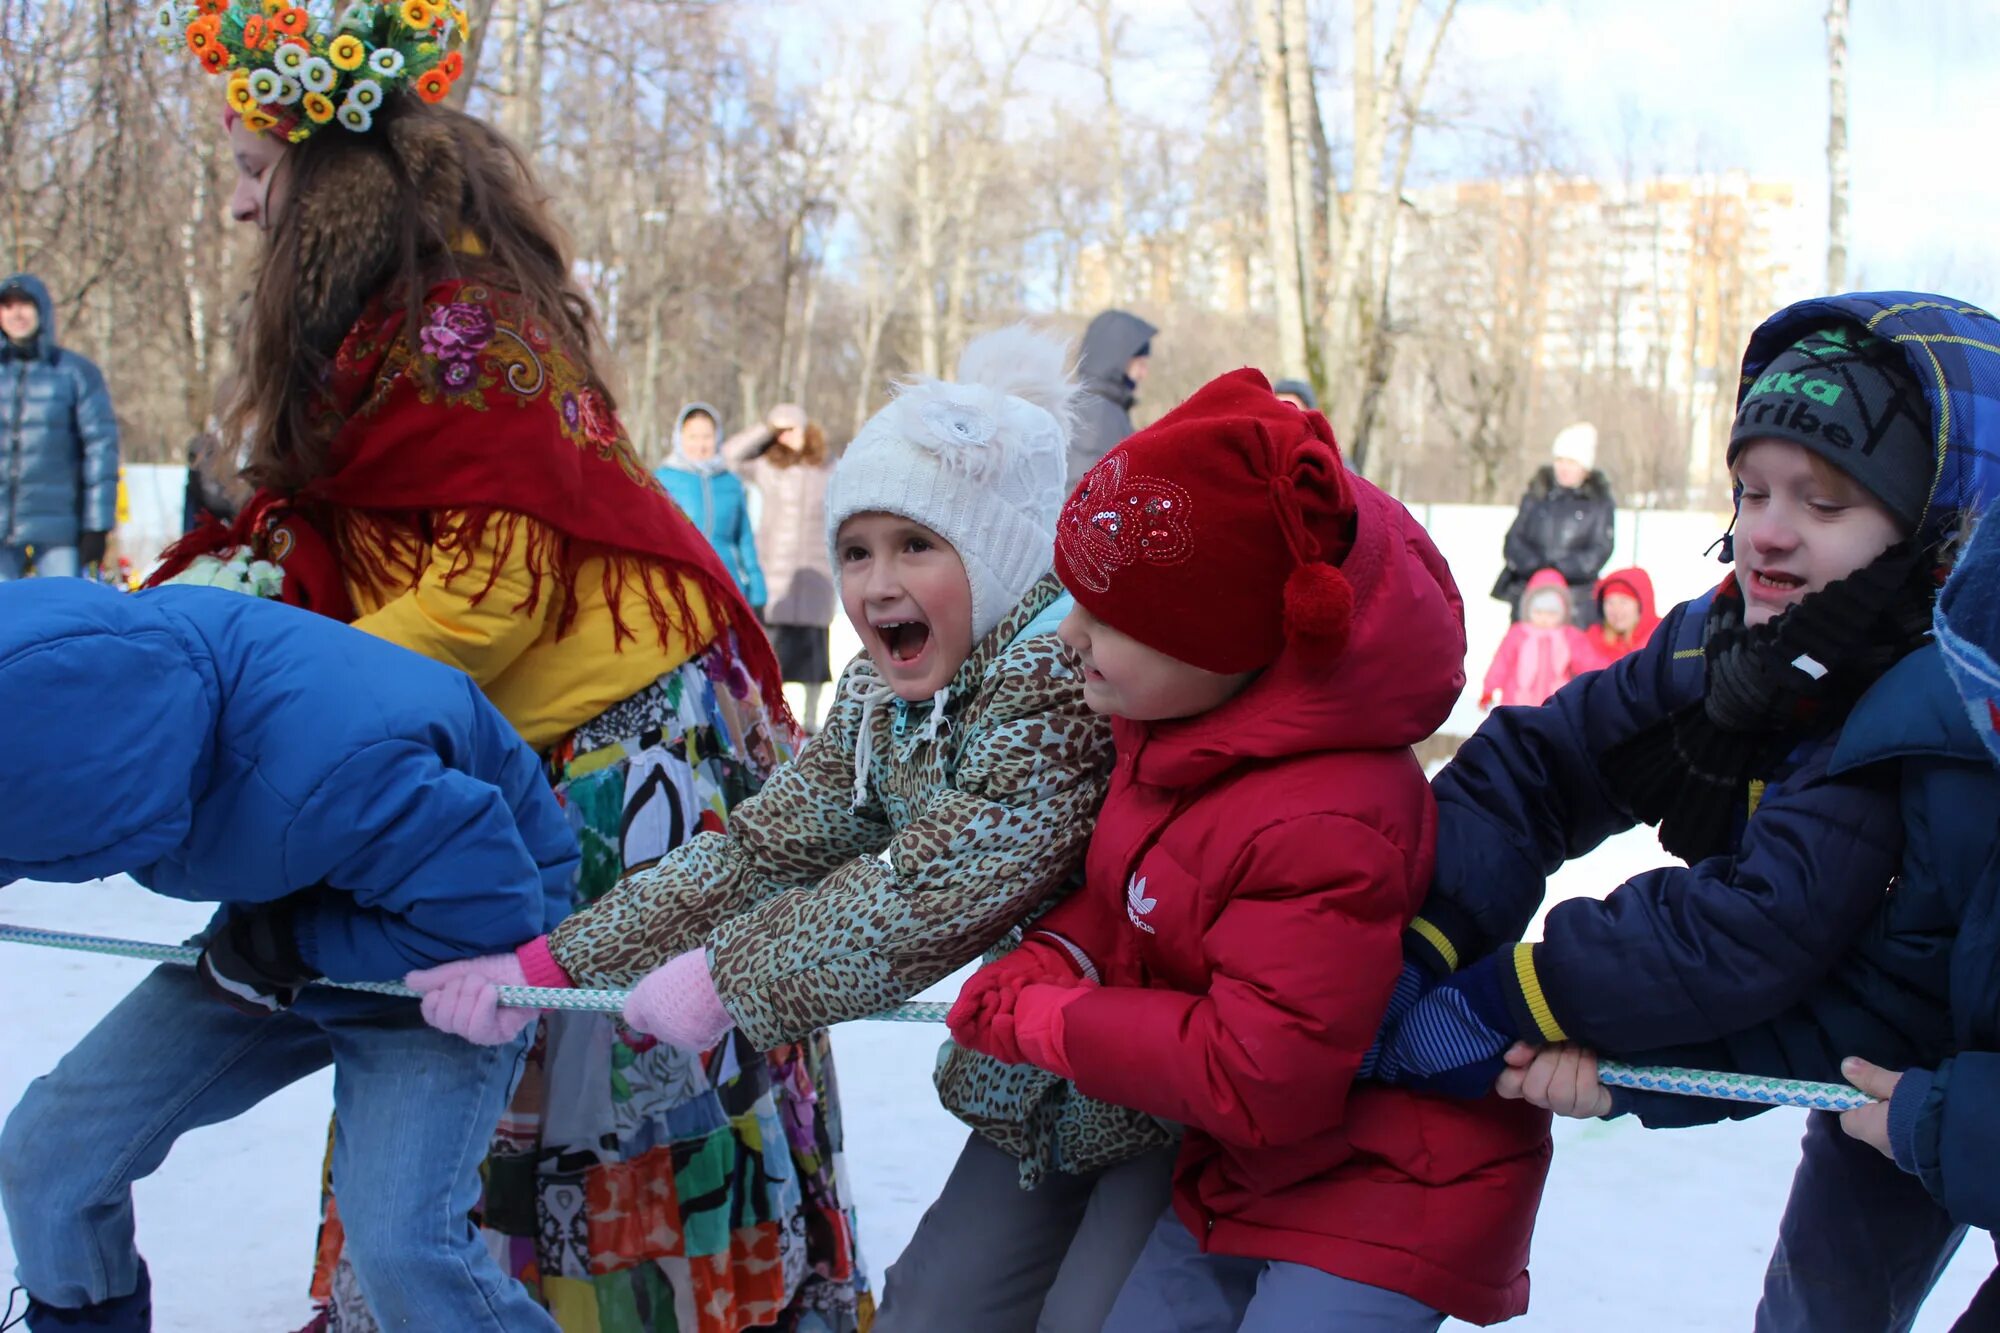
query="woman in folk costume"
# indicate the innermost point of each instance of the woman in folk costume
(439, 461)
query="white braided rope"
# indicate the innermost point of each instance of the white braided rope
(1679, 1082)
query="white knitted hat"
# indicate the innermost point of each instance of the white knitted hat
(1577, 442)
(980, 461)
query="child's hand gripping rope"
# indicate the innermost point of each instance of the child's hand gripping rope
(463, 998)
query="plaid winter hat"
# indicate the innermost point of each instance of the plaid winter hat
(1850, 398)
(1968, 630)
(1214, 534)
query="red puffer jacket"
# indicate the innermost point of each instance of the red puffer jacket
(1248, 885)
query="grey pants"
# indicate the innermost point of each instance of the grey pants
(991, 1257)
(1175, 1288)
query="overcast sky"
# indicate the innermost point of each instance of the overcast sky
(1691, 85)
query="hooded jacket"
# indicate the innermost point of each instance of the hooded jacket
(1104, 407)
(713, 497)
(1564, 528)
(59, 452)
(1606, 646)
(1248, 883)
(1532, 663)
(242, 752)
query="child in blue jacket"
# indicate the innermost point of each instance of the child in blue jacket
(1777, 732)
(360, 811)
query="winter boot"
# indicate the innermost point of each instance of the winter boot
(127, 1314)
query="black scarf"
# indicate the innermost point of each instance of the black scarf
(1768, 689)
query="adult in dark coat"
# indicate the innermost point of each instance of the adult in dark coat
(1565, 524)
(59, 450)
(1112, 366)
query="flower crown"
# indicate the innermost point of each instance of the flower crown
(291, 73)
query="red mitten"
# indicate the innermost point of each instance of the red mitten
(994, 987)
(1038, 1026)
(1486, 699)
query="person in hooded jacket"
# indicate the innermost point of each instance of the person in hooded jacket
(59, 457)
(1625, 616)
(698, 478)
(1566, 523)
(1270, 635)
(1112, 365)
(1802, 765)
(405, 827)
(1540, 653)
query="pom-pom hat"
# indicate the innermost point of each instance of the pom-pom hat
(1215, 534)
(980, 461)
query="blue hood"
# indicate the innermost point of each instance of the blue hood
(44, 345)
(102, 775)
(1953, 350)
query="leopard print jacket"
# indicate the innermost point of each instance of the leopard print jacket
(849, 884)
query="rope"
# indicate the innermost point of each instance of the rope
(1679, 1082)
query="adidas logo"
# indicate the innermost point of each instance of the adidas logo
(1138, 905)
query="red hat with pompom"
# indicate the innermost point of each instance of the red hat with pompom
(1215, 534)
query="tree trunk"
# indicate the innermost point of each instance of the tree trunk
(1836, 146)
(1302, 111)
(930, 337)
(1281, 227)
(479, 14)
(1116, 242)
(802, 368)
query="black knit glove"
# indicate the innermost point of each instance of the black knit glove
(252, 963)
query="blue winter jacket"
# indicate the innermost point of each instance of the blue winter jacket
(1691, 957)
(59, 446)
(219, 748)
(713, 497)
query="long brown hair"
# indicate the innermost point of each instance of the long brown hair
(810, 453)
(428, 194)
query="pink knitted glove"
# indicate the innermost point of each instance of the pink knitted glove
(1038, 1025)
(677, 1003)
(463, 998)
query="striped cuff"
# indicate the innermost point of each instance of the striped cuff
(1084, 967)
(1522, 986)
(1427, 944)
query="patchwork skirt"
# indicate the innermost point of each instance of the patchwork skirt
(634, 1187)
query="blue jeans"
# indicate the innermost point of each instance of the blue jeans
(415, 1109)
(1861, 1244)
(1175, 1288)
(51, 562)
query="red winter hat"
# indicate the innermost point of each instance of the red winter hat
(1212, 536)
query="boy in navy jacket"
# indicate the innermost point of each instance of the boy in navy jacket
(1748, 731)
(360, 811)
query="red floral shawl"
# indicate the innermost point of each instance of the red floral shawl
(486, 416)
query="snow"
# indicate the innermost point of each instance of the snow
(1658, 1230)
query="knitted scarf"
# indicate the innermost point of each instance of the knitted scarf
(1769, 688)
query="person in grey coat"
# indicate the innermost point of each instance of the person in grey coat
(59, 450)
(1111, 367)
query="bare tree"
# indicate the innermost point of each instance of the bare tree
(1836, 145)
(1280, 191)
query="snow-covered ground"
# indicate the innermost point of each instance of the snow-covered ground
(1650, 1231)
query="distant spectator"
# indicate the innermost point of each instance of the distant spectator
(59, 458)
(786, 459)
(698, 477)
(1112, 367)
(1626, 619)
(215, 487)
(1298, 393)
(1565, 524)
(1542, 652)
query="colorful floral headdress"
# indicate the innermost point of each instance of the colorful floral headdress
(292, 71)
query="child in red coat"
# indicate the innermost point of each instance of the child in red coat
(1542, 651)
(1269, 635)
(1626, 618)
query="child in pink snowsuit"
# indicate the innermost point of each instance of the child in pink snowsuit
(1542, 651)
